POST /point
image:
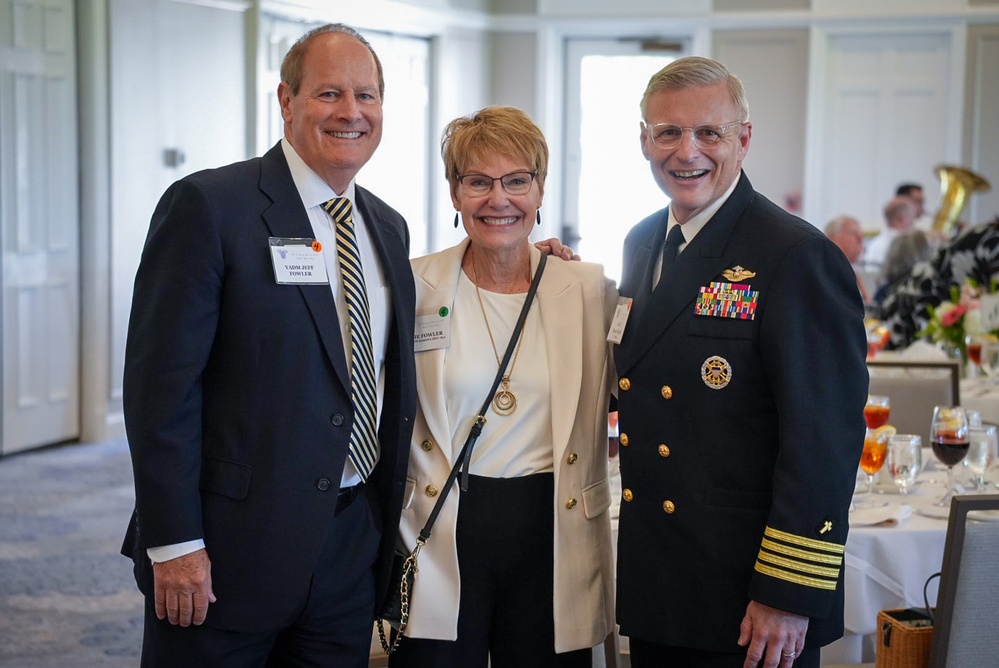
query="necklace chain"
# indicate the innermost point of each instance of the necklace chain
(505, 401)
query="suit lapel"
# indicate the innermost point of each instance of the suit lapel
(286, 217)
(701, 261)
(437, 285)
(560, 301)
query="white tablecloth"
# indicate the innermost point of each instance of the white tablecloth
(982, 395)
(886, 568)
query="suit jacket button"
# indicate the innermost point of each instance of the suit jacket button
(572, 458)
(624, 384)
(431, 491)
(570, 504)
(323, 484)
(336, 419)
(626, 494)
(669, 507)
(427, 445)
(667, 392)
(623, 440)
(663, 450)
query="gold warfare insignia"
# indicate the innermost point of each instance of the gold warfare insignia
(738, 273)
(716, 372)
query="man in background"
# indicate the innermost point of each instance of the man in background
(845, 232)
(741, 394)
(900, 216)
(269, 386)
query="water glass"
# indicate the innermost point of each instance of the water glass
(982, 453)
(905, 460)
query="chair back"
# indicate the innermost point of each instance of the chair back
(966, 623)
(914, 388)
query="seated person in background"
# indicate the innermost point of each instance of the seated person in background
(972, 254)
(914, 193)
(905, 251)
(845, 232)
(900, 216)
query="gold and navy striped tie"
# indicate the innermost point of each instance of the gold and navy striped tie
(363, 440)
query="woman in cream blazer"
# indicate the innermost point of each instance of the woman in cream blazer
(481, 593)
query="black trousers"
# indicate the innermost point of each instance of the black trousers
(505, 538)
(645, 654)
(333, 624)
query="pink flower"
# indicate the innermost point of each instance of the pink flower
(952, 316)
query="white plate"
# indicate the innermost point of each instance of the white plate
(937, 512)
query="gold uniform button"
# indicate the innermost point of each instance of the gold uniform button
(570, 504)
(663, 450)
(667, 392)
(427, 446)
(669, 507)
(624, 384)
(572, 458)
(623, 440)
(627, 495)
(431, 490)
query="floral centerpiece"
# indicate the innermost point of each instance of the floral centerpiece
(956, 321)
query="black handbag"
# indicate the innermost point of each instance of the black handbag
(394, 611)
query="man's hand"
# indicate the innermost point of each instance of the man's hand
(774, 637)
(183, 588)
(554, 247)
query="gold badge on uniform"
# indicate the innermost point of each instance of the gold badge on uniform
(716, 372)
(738, 273)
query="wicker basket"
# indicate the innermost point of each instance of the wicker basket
(903, 639)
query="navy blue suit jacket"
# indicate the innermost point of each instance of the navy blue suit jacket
(737, 491)
(237, 390)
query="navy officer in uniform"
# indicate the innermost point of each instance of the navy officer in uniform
(741, 394)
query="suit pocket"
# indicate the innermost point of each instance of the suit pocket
(596, 499)
(721, 328)
(225, 477)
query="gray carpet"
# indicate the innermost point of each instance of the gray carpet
(67, 598)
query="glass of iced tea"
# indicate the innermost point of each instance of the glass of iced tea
(949, 438)
(876, 411)
(871, 460)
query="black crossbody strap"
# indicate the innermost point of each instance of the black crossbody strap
(464, 457)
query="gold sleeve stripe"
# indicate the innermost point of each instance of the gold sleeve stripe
(802, 554)
(796, 565)
(824, 545)
(781, 574)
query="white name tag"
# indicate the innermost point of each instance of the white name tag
(621, 314)
(990, 312)
(433, 330)
(298, 261)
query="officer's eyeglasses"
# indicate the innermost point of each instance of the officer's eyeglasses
(667, 135)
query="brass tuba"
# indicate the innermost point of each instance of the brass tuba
(956, 185)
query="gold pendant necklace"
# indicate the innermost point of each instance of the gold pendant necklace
(504, 401)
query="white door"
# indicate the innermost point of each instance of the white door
(39, 222)
(608, 185)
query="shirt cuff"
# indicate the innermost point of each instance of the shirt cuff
(163, 553)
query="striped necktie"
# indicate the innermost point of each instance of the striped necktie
(363, 451)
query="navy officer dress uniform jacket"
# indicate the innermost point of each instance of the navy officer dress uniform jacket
(237, 391)
(740, 436)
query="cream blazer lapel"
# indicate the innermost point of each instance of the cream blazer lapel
(560, 300)
(436, 286)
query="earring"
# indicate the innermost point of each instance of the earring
(539, 216)
(455, 220)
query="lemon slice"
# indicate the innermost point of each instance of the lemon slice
(884, 433)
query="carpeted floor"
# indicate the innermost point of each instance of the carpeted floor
(67, 598)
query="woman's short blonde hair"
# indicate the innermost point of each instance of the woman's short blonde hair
(496, 130)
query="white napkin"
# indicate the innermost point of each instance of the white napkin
(887, 516)
(921, 351)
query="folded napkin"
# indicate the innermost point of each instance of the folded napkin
(887, 516)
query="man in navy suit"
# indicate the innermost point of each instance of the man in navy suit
(256, 540)
(741, 394)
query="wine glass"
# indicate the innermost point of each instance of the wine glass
(876, 411)
(989, 360)
(949, 438)
(982, 452)
(905, 460)
(871, 460)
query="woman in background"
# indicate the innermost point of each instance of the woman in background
(518, 569)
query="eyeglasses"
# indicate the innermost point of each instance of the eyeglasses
(514, 183)
(667, 135)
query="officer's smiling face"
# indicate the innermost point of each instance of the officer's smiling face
(695, 176)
